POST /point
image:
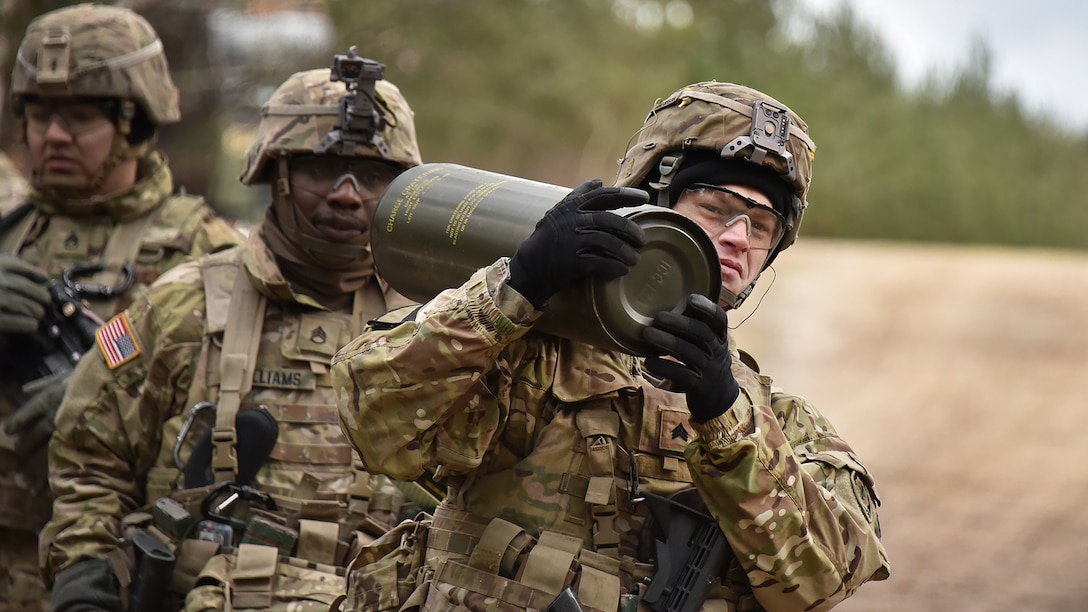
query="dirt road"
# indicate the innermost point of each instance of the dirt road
(961, 377)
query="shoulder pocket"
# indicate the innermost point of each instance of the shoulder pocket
(666, 432)
(842, 473)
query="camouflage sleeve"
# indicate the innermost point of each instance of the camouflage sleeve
(13, 186)
(109, 425)
(798, 510)
(185, 229)
(422, 392)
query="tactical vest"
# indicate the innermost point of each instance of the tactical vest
(324, 499)
(152, 243)
(517, 536)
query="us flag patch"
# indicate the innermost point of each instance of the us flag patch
(116, 342)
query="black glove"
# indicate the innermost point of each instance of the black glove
(24, 296)
(34, 421)
(89, 585)
(697, 339)
(578, 238)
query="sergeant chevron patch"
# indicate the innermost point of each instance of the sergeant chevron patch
(116, 342)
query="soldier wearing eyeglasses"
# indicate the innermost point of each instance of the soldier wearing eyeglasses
(209, 400)
(580, 477)
(102, 219)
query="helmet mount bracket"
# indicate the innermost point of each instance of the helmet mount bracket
(54, 59)
(361, 117)
(769, 133)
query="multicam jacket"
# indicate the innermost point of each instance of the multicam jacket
(171, 229)
(548, 435)
(13, 187)
(113, 452)
(174, 228)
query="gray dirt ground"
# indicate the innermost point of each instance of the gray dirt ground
(959, 376)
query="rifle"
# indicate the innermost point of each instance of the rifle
(688, 559)
(64, 334)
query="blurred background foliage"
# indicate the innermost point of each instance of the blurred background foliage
(554, 90)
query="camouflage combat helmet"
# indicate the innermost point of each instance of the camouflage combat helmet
(96, 51)
(306, 108)
(733, 121)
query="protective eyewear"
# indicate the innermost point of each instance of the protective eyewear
(74, 117)
(323, 174)
(719, 207)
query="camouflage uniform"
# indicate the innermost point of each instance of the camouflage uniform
(55, 232)
(13, 186)
(12, 183)
(540, 440)
(114, 451)
(173, 227)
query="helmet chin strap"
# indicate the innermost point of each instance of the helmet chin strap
(120, 150)
(729, 301)
(756, 307)
(299, 229)
(666, 171)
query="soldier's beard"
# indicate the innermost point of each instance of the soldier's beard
(65, 184)
(83, 195)
(68, 186)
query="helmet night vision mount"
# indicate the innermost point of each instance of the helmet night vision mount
(361, 116)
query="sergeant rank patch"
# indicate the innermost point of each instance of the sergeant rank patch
(116, 342)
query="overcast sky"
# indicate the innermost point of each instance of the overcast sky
(1038, 48)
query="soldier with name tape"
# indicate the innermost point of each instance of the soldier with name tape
(101, 219)
(199, 462)
(581, 477)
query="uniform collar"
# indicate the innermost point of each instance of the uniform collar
(265, 272)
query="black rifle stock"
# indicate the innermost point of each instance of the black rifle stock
(64, 334)
(688, 559)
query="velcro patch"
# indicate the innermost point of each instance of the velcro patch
(116, 342)
(675, 431)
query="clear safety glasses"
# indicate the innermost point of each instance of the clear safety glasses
(75, 117)
(717, 208)
(323, 174)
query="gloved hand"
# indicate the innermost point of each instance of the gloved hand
(34, 421)
(576, 239)
(697, 339)
(88, 585)
(24, 296)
